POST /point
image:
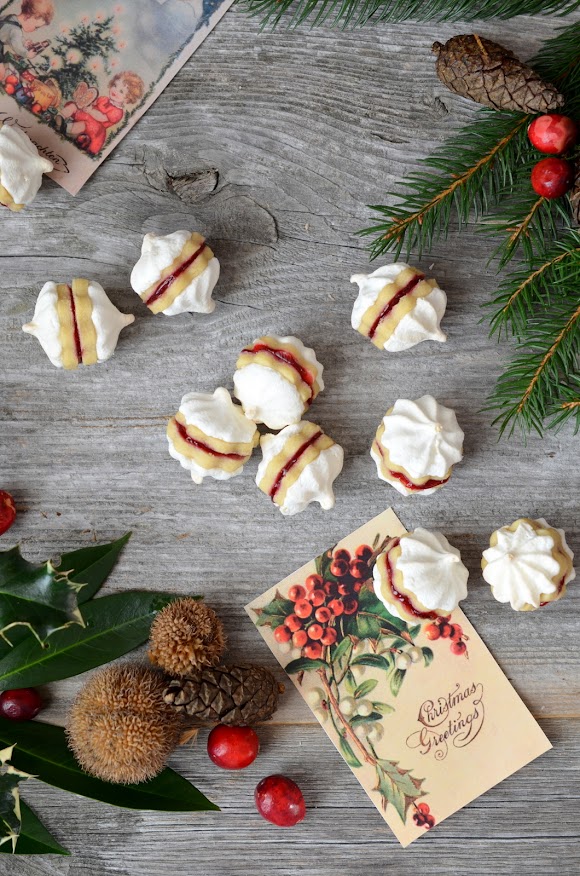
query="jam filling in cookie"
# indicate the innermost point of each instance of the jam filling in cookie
(192, 261)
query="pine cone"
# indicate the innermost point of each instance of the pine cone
(487, 73)
(226, 694)
(574, 196)
(186, 635)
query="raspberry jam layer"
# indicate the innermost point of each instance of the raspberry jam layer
(404, 601)
(428, 485)
(407, 288)
(286, 357)
(76, 333)
(182, 432)
(291, 463)
(162, 288)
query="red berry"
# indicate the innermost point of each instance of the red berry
(329, 636)
(313, 581)
(552, 177)
(422, 807)
(363, 552)
(299, 638)
(359, 570)
(343, 555)
(303, 608)
(323, 614)
(313, 650)
(445, 630)
(350, 605)
(358, 586)
(553, 133)
(21, 704)
(9, 88)
(280, 801)
(429, 822)
(7, 511)
(12, 79)
(233, 748)
(432, 632)
(317, 597)
(293, 623)
(344, 589)
(456, 632)
(458, 647)
(336, 606)
(282, 633)
(339, 568)
(314, 631)
(296, 592)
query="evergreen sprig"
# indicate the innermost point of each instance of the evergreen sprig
(360, 12)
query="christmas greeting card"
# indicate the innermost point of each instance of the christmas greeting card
(76, 76)
(421, 712)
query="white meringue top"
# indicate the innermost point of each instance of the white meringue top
(266, 396)
(314, 484)
(21, 166)
(421, 324)
(158, 252)
(107, 320)
(432, 570)
(423, 437)
(521, 566)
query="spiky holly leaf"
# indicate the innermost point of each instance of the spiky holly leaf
(397, 786)
(40, 598)
(10, 817)
(275, 612)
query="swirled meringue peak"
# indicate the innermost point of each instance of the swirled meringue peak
(21, 168)
(420, 576)
(397, 307)
(528, 564)
(176, 273)
(276, 380)
(416, 445)
(210, 437)
(77, 324)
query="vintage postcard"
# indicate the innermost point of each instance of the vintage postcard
(425, 727)
(76, 76)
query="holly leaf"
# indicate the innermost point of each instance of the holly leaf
(427, 656)
(397, 786)
(365, 688)
(377, 661)
(275, 612)
(397, 679)
(91, 565)
(10, 817)
(348, 754)
(39, 598)
(304, 664)
(34, 839)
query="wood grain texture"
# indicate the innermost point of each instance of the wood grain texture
(272, 145)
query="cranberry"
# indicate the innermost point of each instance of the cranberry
(279, 800)
(314, 631)
(359, 570)
(7, 511)
(363, 552)
(329, 636)
(339, 568)
(282, 633)
(458, 647)
(296, 592)
(313, 650)
(432, 632)
(552, 177)
(299, 638)
(553, 133)
(342, 554)
(456, 632)
(21, 704)
(350, 605)
(317, 597)
(293, 623)
(303, 608)
(313, 581)
(233, 748)
(323, 614)
(336, 606)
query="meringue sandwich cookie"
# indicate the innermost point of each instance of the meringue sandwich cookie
(397, 307)
(299, 466)
(276, 380)
(76, 324)
(528, 564)
(420, 576)
(417, 445)
(210, 436)
(21, 168)
(176, 273)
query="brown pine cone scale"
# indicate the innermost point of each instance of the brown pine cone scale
(485, 72)
(238, 695)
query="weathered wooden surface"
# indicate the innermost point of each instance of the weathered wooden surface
(272, 145)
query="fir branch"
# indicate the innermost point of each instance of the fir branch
(360, 12)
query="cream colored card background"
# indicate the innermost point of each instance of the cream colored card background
(498, 736)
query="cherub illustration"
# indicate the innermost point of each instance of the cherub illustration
(33, 15)
(88, 116)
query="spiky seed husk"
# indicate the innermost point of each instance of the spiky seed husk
(226, 694)
(119, 728)
(185, 636)
(487, 73)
